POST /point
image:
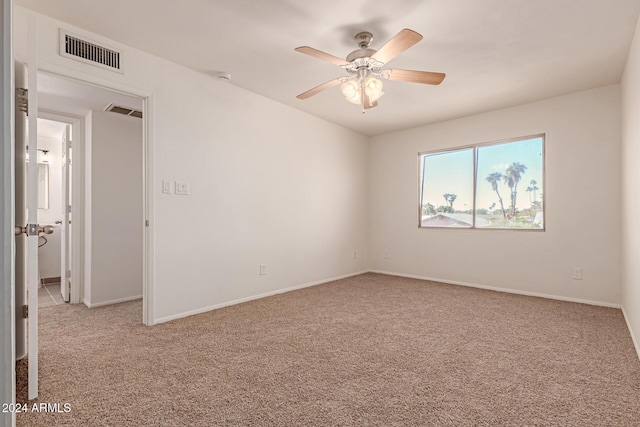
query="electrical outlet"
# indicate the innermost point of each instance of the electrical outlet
(386, 254)
(263, 269)
(576, 273)
(355, 254)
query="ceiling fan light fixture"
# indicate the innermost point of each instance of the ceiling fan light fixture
(363, 85)
(373, 88)
(351, 90)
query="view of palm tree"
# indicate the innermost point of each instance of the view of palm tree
(484, 181)
(512, 177)
(494, 179)
(450, 198)
(532, 188)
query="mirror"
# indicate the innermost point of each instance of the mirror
(43, 186)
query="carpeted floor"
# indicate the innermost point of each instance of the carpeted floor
(368, 350)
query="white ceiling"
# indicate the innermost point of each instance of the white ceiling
(50, 129)
(60, 95)
(77, 99)
(496, 53)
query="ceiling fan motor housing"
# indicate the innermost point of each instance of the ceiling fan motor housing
(360, 53)
(363, 40)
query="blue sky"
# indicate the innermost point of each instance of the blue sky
(452, 172)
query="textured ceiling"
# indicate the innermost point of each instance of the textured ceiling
(496, 53)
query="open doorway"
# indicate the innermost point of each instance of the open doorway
(105, 184)
(108, 183)
(54, 158)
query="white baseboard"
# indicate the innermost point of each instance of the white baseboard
(114, 301)
(253, 297)
(506, 290)
(633, 336)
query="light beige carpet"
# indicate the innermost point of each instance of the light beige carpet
(368, 350)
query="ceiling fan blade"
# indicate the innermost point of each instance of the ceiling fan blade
(424, 77)
(318, 89)
(321, 55)
(394, 47)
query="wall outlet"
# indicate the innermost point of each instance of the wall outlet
(355, 254)
(263, 269)
(576, 273)
(386, 254)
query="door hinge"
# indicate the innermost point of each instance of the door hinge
(22, 100)
(25, 311)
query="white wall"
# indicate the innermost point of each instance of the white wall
(582, 195)
(631, 189)
(269, 184)
(116, 199)
(49, 254)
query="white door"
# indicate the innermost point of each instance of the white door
(21, 209)
(65, 268)
(32, 217)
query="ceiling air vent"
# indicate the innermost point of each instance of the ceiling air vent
(88, 52)
(124, 110)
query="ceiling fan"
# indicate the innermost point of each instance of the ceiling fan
(363, 85)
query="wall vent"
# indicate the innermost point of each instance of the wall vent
(123, 110)
(88, 52)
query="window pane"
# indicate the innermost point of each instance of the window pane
(447, 189)
(509, 185)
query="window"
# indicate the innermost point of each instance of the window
(496, 185)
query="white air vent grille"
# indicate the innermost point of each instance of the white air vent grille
(91, 53)
(124, 110)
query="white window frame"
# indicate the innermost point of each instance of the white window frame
(475, 148)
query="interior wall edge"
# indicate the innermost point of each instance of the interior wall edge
(633, 336)
(254, 297)
(505, 290)
(111, 302)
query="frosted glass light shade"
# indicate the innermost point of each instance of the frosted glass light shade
(351, 90)
(373, 88)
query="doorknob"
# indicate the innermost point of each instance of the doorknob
(33, 229)
(46, 229)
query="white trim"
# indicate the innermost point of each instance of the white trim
(7, 218)
(113, 301)
(633, 336)
(506, 290)
(148, 111)
(86, 209)
(254, 297)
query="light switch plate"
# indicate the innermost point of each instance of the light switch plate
(167, 187)
(182, 188)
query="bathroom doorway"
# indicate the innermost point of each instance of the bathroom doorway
(54, 157)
